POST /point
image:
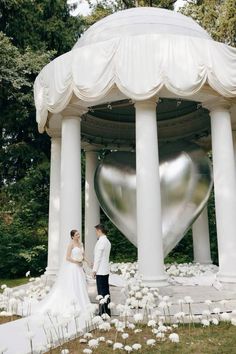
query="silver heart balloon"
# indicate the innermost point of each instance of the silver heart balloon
(186, 182)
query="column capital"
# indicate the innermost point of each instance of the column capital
(146, 103)
(54, 133)
(217, 104)
(74, 111)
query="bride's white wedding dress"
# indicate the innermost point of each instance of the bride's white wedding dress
(69, 293)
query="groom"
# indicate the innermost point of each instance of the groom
(101, 267)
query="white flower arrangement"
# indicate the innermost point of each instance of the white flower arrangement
(233, 321)
(105, 326)
(118, 346)
(138, 317)
(215, 321)
(136, 346)
(205, 322)
(65, 351)
(225, 316)
(109, 342)
(125, 335)
(101, 339)
(151, 342)
(142, 305)
(93, 343)
(128, 349)
(152, 323)
(174, 338)
(87, 351)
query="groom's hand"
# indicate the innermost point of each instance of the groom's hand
(94, 274)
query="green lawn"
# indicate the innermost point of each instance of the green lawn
(4, 319)
(13, 282)
(219, 339)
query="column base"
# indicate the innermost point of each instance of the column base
(226, 278)
(155, 282)
(203, 262)
(50, 272)
(48, 280)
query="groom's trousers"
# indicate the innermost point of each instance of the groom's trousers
(103, 290)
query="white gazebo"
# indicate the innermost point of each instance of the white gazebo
(132, 75)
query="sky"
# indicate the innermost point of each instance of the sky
(83, 7)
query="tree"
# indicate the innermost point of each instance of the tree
(31, 34)
(19, 139)
(218, 17)
(40, 24)
(104, 8)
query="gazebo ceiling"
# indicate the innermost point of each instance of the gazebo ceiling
(124, 111)
(113, 124)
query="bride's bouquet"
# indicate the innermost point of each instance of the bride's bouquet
(78, 258)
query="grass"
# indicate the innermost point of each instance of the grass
(4, 319)
(219, 339)
(13, 282)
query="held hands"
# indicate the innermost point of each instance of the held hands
(94, 275)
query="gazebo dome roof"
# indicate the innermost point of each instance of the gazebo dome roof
(141, 21)
(135, 55)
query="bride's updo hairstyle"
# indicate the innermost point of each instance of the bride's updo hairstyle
(72, 233)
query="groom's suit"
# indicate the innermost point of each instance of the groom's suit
(101, 267)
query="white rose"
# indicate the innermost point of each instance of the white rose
(136, 346)
(174, 337)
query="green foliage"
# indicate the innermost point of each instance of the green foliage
(21, 249)
(216, 16)
(31, 34)
(212, 228)
(122, 249)
(13, 282)
(103, 8)
(40, 24)
(183, 252)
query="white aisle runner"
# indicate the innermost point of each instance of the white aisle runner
(13, 335)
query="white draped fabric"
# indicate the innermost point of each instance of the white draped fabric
(138, 64)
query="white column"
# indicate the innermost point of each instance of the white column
(225, 188)
(54, 205)
(149, 222)
(70, 180)
(201, 239)
(92, 209)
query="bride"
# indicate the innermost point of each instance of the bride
(69, 293)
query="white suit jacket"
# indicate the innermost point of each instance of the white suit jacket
(101, 256)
